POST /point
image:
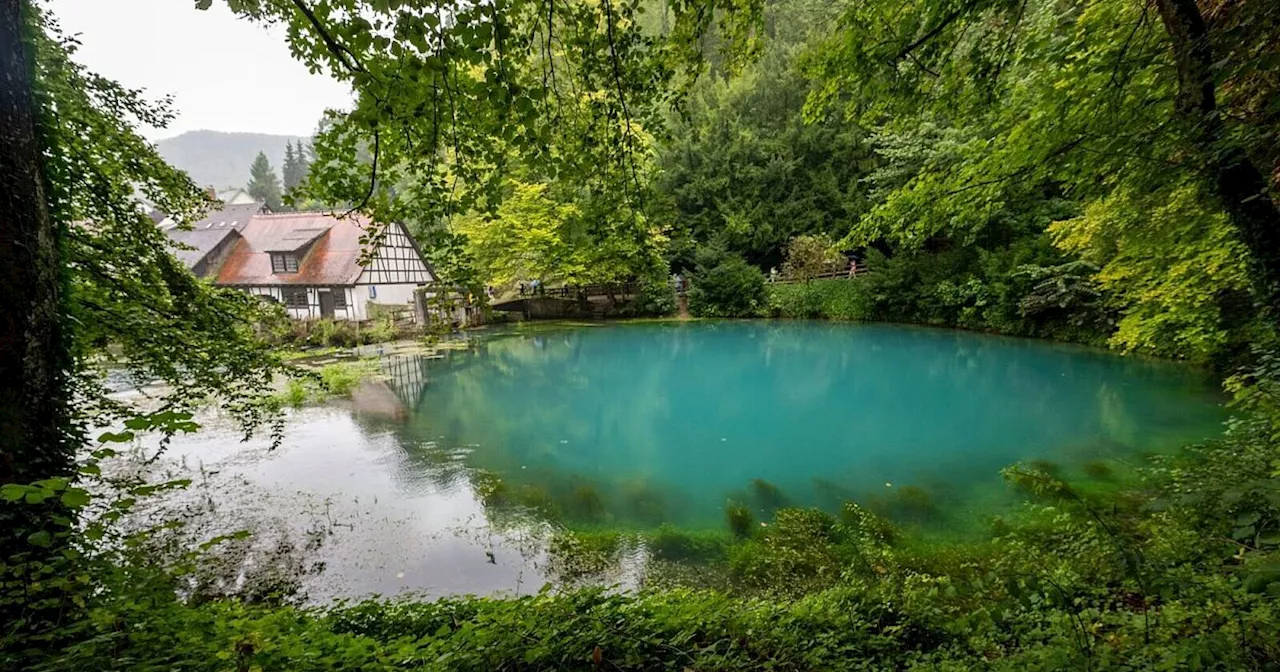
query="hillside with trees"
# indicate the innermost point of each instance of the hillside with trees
(220, 159)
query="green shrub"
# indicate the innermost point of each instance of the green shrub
(327, 332)
(655, 297)
(383, 329)
(1006, 290)
(812, 255)
(324, 332)
(833, 299)
(729, 288)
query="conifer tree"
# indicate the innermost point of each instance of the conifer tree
(264, 184)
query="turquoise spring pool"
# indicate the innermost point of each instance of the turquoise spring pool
(644, 424)
(454, 473)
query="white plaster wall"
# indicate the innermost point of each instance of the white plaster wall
(400, 294)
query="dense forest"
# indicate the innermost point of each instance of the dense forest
(1031, 170)
(1101, 172)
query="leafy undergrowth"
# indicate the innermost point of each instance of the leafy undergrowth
(961, 289)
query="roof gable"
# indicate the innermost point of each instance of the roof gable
(193, 246)
(332, 247)
(206, 234)
(397, 260)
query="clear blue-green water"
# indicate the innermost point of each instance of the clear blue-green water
(643, 424)
(454, 473)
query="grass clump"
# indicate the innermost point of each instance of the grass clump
(741, 521)
(294, 393)
(1098, 470)
(767, 496)
(908, 503)
(675, 545)
(801, 550)
(337, 379)
(341, 378)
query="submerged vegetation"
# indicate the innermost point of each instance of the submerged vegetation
(336, 379)
(1178, 571)
(1102, 172)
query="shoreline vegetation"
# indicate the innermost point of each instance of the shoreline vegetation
(1173, 568)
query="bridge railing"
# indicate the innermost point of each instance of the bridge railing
(837, 274)
(574, 291)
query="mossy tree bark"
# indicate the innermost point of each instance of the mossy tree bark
(34, 411)
(1242, 187)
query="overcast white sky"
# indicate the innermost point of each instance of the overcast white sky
(225, 74)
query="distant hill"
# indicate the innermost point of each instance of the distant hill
(221, 160)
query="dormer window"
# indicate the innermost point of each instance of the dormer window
(284, 262)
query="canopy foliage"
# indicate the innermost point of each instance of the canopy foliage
(1072, 118)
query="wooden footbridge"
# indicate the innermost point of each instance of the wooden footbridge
(542, 302)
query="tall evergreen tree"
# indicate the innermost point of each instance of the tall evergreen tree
(302, 162)
(290, 168)
(264, 184)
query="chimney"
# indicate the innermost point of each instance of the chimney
(211, 193)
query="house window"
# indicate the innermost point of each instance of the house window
(296, 297)
(284, 263)
(339, 297)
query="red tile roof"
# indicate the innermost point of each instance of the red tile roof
(332, 259)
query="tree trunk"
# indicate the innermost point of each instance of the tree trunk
(1241, 186)
(34, 417)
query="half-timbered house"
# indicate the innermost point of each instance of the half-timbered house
(311, 263)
